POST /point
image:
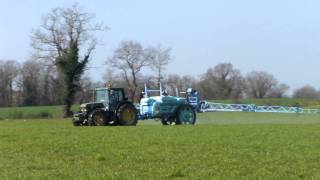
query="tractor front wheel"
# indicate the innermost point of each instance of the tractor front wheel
(127, 115)
(98, 118)
(76, 122)
(79, 120)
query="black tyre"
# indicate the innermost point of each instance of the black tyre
(127, 115)
(98, 118)
(185, 114)
(78, 120)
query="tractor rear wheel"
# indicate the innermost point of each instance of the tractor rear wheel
(185, 115)
(127, 115)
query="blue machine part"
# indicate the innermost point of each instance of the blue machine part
(192, 97)
(221, 107)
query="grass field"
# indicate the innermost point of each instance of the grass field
(220, 146)
(33, 112)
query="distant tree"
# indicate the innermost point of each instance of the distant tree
(187, 82)
(115, 79)
(181, 83)
(222, 82)
(259, 84)
(31, 74)
(52, 86)
(173, 81)
(8, 73)
(279, 91)
(129, 58)
(85, 94)
(306, 92)
(159, 58)
(112, 78)
(63, 34)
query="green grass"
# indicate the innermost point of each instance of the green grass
(220, 146)
(33, 112)
(256, 118)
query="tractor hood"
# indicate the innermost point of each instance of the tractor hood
(92, 105)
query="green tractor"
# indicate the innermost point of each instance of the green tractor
(110, 107)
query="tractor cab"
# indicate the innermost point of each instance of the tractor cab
(109, 97)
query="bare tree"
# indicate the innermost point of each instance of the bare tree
(41, 78)
(159, 58)
(111, 78)
(173, 82)
(31, 74)
(52, 86)
(306, 92)
(85, 93)
(65, 34)
(221, 82)
(130, 59)
(61, 26)
(8, 73)
(279, 91)
(181, 83)
(259, 84)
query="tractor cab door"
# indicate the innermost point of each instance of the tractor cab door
(116, 95)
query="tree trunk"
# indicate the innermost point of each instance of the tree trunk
(68, 103)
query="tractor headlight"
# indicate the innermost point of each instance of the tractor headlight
(83, 110)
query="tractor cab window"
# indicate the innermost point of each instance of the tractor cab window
(116, 96)
(101, 96)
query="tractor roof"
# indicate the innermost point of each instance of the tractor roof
(107, 88)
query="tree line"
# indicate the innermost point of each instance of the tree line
(32, 83)
(63, 45)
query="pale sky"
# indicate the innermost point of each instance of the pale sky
(280, 37)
